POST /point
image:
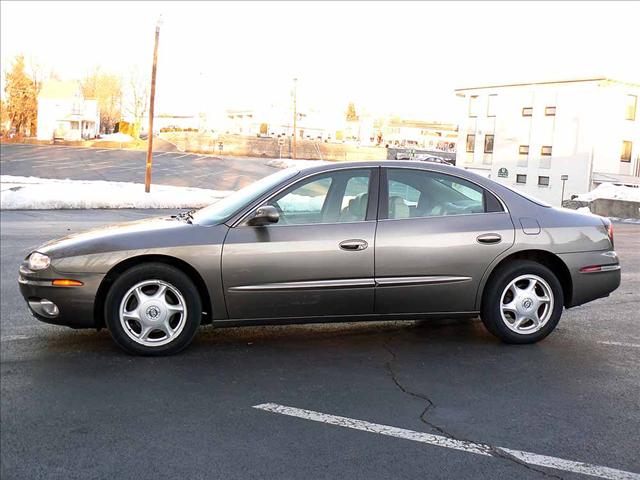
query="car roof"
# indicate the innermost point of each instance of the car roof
(381, 163)
(506, 194)
(421, 165)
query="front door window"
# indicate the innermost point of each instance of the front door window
(341, 196)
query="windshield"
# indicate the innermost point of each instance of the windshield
(225, 208)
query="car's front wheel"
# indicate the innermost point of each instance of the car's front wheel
(522, 302)
(153, 309)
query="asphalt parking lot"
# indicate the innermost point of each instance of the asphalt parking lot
(169, 167)
(461, 404)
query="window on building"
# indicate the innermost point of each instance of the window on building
(527, 111)
(471, 142)
(523, 150)
(520, 178)
(491, 105)
(626, 151)
(632, 105)
(473, 106)
(545, 150)
(488, 144)
(543, 181)
(550, 111)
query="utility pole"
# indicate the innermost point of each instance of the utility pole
(147, 176)
(295, 117)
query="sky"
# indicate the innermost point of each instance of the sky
(403, 58)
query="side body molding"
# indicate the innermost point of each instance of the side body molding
(351, 283)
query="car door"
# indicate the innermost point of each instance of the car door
(436, 236)
(317, 260)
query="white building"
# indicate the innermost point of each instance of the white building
(532, 135)
(277, 120)
(64, 113)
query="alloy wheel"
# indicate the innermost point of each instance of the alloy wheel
(526, 304)
(153, 313)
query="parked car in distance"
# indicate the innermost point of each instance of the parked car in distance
(422, 157)
(431, 158)
(299, 246)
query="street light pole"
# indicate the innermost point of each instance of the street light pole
(295, 117)
(564, 178)
(147, 176)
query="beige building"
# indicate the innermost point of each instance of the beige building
(533, 135)
(64, 113)
(397, 132)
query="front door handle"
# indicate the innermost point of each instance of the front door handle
(354, 244)
(489, 238)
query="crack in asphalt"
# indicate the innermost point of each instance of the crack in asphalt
(490, 450)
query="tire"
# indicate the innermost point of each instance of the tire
(169, 317)
(511, 303)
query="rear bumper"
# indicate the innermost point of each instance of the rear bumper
(592, 284)
(75, 304)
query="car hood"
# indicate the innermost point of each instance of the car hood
(130, 235)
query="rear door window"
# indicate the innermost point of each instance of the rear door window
(416, 193)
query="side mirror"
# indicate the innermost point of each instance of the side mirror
(264, 215)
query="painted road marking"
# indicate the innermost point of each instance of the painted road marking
(440, 441)
(621, 344)
(161, 154)
(28, 157)
(186, 155)
(10, 338)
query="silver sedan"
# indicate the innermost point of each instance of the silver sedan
(337, 242)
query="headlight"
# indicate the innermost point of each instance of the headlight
(38, 261)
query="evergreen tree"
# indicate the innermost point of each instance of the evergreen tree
(22, 104)
(351, 113)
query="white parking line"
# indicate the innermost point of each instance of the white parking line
(10, 338)
(28, 157)
(161, 154)
(181, 156)
(440, 441)
(621, 344)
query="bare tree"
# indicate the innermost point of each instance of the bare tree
(138, 96)
(36, 72)
(106, 88)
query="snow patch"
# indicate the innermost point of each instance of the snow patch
(32, 193)
(115, 137)
(612, 192)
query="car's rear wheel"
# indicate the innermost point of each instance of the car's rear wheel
(522, 303)
(153, 309)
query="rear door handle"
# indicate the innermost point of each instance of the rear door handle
(489, 238)
(354, 244)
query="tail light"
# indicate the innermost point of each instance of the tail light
(609, 226)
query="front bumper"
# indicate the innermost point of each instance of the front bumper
(591, 285)
(75, 304)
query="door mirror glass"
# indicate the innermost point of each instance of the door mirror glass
(264, 215)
